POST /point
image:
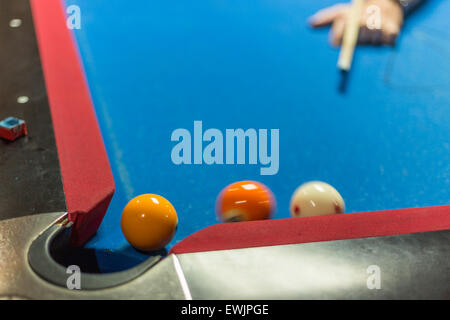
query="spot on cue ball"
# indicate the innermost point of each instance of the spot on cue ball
(23, 99)
(15, 23)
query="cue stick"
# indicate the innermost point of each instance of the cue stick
(350, 36)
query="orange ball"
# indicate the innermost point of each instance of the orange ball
(245, 201)
(149, 222)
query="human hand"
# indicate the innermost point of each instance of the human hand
(381, 21)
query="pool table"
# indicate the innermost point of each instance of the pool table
(108, 93)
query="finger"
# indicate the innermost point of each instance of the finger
(326, 16)
(376, 36)
(390, 33)
(337, 32)
(364, 36)
(370, 35)
(389, 38)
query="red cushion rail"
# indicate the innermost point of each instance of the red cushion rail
(87, 178)
(228, 236)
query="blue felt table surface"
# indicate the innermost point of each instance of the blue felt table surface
(155, 66)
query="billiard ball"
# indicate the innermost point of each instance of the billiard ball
(149, 222)
(245, 201)
(316, 198)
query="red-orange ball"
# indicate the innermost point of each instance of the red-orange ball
(245, 201)
(149, 222)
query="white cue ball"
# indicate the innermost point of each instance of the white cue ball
(316, 198)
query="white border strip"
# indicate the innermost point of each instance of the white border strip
(183, 282)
